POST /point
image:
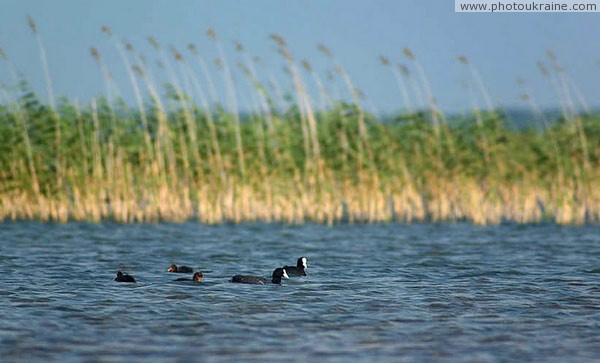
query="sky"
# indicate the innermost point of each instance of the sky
(501, 46)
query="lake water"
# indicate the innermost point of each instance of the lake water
(422, 292)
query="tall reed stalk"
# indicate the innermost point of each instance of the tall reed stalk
(429, 95)
(312, 149)
(401, 84)
(50, 91)
(363, 144)
(135, 86)
(232, 99)
(22, 119)
(490, 108)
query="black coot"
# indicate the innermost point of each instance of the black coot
(180, 269)
(297, 270)
(121, 277)
(278, 273)
(196, 278)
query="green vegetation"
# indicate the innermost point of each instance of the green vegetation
(173, 158)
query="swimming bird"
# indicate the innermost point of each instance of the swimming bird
(121, 277)
(278, 273)
(196, 278)
(297, 270)
(180, 269)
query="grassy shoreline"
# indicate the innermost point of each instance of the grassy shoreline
(186, 155)
(407, 174)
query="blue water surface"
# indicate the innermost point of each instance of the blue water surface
(388, 293)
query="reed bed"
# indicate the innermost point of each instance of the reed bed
(182, 154)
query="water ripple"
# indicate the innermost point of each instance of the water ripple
(424, 292)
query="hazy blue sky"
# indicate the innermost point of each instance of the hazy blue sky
(502, 46)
